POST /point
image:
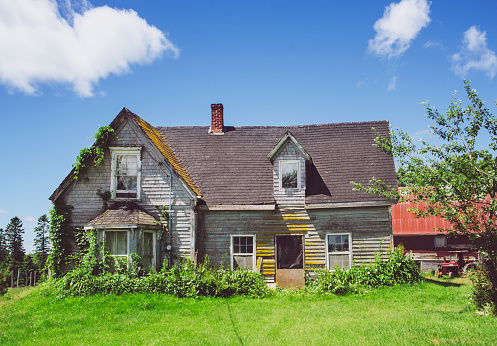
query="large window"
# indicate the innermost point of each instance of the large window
(338, 250)
(289, 174)
(126, 173)
(243, 252)
(116, 242)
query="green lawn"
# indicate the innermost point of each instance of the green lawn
(433, 312)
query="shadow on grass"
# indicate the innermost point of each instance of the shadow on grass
(443, 283)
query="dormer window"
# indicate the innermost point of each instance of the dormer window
(289, 174)
(126, 173)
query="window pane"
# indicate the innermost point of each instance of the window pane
(243, 245)
(338, 243)
(126, 172)
(116, 242)
(341, 260)
(243, 262)
(289, 175)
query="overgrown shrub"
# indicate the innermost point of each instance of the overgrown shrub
(396, 269)
(482, 294)
(185, 279)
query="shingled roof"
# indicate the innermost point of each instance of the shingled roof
(234, 169)
(123, 213)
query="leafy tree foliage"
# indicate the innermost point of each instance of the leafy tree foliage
(14, 232)
(458, 178)
(41, 242)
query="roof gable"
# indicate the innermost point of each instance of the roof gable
(288, 138)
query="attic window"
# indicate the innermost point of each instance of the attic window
(289, 174)
(126, 173)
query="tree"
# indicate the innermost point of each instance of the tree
(458, 178)
(41, 241)
(14, 233)
(4, 252)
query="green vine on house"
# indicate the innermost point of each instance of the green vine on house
(59, 228)
(96, 152)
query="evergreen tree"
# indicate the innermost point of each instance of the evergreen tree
(4, 252)
(42, 245)
(14, 232)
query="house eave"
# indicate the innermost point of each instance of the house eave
(236, 207)
(350, 205)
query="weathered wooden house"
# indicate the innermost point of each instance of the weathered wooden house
(276, 199)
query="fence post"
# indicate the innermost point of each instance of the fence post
(18, 274)
(12, 279)
(34, 281)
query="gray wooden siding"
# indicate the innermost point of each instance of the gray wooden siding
(370, 228)
(155, 191)
(289, 197)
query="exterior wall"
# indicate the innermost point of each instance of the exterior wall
(289, 197)
(155, 191)
(370, 227)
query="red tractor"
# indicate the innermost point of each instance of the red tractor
(452, 268)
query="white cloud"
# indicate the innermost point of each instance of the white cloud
(400, 24)
(433, 44)
(78, 45)
(393, 83)
(29, 219)
(475, 54)
(3, 212)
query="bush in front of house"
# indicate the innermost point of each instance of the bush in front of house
(398, 268)
(185, 279)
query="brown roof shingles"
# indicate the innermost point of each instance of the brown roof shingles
(233, 169)
(123, 214)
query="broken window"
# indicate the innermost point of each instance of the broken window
(243, 252)
(126, 167)
(338, 250)
(289, 175)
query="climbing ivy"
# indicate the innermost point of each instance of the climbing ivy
(163, 218)
(96, 152)
(59, 228)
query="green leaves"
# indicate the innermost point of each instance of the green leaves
(96, 152)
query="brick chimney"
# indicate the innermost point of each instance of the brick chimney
(217, 124)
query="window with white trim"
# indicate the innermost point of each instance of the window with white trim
(289, 174)
(338, 250)
(116, 242)
(126, 173)
(243, 252)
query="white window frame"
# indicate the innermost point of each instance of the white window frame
(127, 241)
(232, 253)
(115, 152)
(328, 253)
(299, 185)
(154, 245)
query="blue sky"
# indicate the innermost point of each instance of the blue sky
(68, 67)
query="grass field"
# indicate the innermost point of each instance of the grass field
(432, 312)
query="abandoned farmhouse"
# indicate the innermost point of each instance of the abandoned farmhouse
(274, 199)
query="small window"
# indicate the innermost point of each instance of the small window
(440, 241)
(126, 173)
(338, 250)
(243, 252)
(116, 242)
(289, 175)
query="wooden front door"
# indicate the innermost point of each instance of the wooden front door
(290, 261)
